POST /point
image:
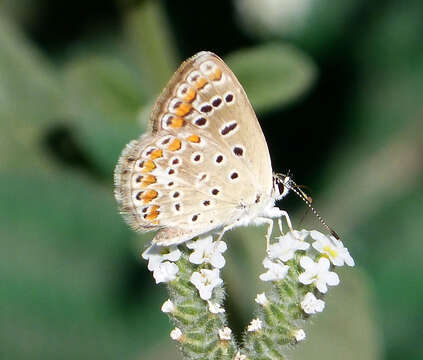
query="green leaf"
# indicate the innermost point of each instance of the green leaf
(149, 34)
(104, 96)
(30, 100)
(273, 75)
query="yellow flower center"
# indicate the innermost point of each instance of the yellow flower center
(331, 251)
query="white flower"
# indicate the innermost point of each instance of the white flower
(261, 299)
(205, 250)
(168, 306)
(317, 273)
(165, 272)
(225, 333)
(157, 254)
(205, 281)
(311, 304)
(331, 247)
(276, 271)
(255, 325)
(160, 262)
(176, 334)
(238, 356)
(299, 335)
(288, 244)
(215, 308)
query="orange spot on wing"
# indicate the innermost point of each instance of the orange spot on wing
(158, 153)
(175, 145)
(193, 138)
(200, 83)
(190, 95)
(147, 166)
(148, 180)
(183, 109)
(217, 75)
(175, 122)
(154, 212)
(149, 195)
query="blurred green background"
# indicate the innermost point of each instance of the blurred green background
(337, 86)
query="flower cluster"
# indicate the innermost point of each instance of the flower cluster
(205, 250)
(329, 250)
(305, 257)
(316, 261)
(161, 261)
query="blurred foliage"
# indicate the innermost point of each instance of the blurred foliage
(288, 71)
(77, 83)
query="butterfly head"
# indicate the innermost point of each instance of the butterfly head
(281, 185)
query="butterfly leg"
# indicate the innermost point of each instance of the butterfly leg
(284, 214)
(269, 222)
(268, 233)
(275, 212)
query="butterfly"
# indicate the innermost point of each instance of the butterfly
(204, 164)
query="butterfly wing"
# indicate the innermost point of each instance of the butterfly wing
(199, 81)
(205, 159)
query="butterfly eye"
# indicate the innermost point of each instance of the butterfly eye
(281, 187)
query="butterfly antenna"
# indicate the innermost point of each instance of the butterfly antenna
(295, 188)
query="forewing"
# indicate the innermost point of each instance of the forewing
(205, 97)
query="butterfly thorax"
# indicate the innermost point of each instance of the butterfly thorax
(263, 205)
(248, 213)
